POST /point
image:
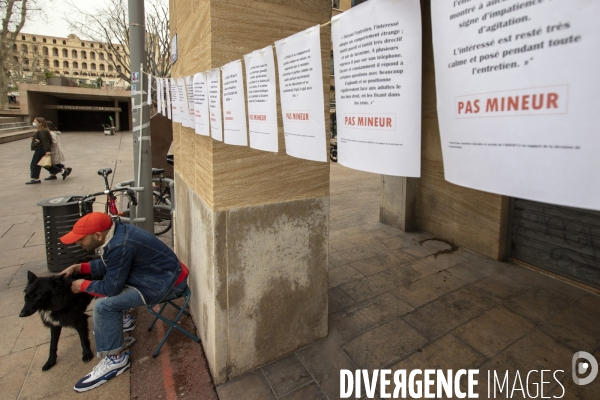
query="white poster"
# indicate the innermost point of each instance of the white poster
(189, 89)
(167, 97)
(183, 108)
(158, 96)
(201, 116)
(377, 60)
(174, 101)
(301, 92)
(149, 99)
(234, 104)
(516, 97)
(262, 101)
(214, 103)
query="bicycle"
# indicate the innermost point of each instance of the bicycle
(110, 207)
(161, 195)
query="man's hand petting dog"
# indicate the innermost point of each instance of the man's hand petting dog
(76, 286)
(73, 269)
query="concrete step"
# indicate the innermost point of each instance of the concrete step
(7, 120)
(12, 136)
(6, 127)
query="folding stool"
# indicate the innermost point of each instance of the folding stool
(186, 294)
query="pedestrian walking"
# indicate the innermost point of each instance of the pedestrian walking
(41, 145)
(57, 156)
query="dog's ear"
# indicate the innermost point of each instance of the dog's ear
(31, 276)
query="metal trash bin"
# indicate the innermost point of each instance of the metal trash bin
(59, 215)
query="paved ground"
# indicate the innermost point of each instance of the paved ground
(396, 302)
(24, 341)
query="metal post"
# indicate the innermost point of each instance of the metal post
(142, 154)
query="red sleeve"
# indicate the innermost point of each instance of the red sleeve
(85, 268)
(85, 284)
(183, 275)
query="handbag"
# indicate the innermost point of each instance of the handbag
(46, 161)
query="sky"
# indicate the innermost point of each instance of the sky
(55, 24)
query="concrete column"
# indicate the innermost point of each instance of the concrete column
(117, 117)
(251, 225)
(398, 207)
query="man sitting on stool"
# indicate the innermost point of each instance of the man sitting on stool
(135, 269)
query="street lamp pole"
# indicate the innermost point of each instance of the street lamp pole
(142, 154)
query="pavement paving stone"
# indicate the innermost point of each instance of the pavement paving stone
(11, 329)
(338, 300)
(252, 386)
(344, 274)
(309, 391)
(12, 301)
(14, 241)
(590, 302)
(521, 274)
(385, 345)
(10, 218)
(573, 319)
(4, 228)
(440, 316)
(472, 270)
(496, 288)
(13, 372)
(534, 351)
(324, 359)
(359, 318)
(409, 272)
(286, 374)
(570, 390)
(552, 284)
(23, 255)
(6, 275)
(336, 259)
(368, 287)
(25, 228)
(38, 238)
(447, 260)
(537, 304)
(427, 289)
(19, 279)
(494, 330)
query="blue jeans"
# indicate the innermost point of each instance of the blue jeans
(108, 318)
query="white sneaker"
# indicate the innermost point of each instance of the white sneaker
(128, 322)
(107, 369)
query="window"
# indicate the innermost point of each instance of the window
(35, 48)
(44, 51)
(110, 56)
(118, 48)
(91, 44)
(46, 63)
(75, 64)
(101, 67)
(92, 55)
(55, 63)
(101, 46)
(65, 53)
(93, 66)
(25, 61)
(24, 48)
(44, 40)
(54, 41)
(118, 68)
(16, 59)
(66, 73)
(83, 55)
(83, 65)
(110, 68)
(22, 37)
(15, 47)
(111, 83)
(64, 42)
(65, 64)
(74, 53)
(101, 56)
(33, 38)
(76, 73)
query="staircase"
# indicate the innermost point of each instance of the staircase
(13, 128)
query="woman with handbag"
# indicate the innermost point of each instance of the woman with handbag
(57, 156)
(41, 145)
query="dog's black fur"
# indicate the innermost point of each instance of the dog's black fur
(58, 306)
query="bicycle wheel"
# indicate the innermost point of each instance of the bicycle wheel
(162, 214)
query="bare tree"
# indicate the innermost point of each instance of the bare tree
(25, 64)
(109, 25)
(14, 14)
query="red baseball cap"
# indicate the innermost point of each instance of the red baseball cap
(89, 223)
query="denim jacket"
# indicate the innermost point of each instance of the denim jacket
(135, 258)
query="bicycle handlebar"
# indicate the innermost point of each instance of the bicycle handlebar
(128, 192)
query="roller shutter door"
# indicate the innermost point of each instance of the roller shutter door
(560, 239)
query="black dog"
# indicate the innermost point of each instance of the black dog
(58, 306)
